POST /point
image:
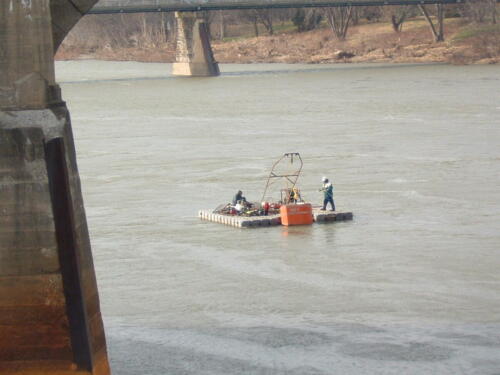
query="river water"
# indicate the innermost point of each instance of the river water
(411, 285)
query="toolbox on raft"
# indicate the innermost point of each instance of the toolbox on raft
(296, 214)
(289, 210)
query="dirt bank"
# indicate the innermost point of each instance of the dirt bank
(375, 42)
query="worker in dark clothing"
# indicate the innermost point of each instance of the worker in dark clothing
(238, 197)
(328, 194)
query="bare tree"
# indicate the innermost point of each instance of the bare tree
(266, 18)
(371, 14)
(480, 11)
(252, 17)
(338, 19)
(397, 15)
(493, 6)
(222, 25)
(437, 32)
(306, 19)
(298, 19)
(282, 15)
(355, 16)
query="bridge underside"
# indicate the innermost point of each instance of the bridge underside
(65, 14)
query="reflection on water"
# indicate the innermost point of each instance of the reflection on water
(411, 285)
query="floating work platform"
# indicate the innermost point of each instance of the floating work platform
(240, 221)
(329, 216)
(271, 220)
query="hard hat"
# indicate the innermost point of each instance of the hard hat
(324, 179)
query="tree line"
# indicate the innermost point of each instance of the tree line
(146, 30)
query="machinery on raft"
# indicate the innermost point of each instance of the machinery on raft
(290, 205)
(288, 209)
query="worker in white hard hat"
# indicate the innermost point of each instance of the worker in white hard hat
(327, 190)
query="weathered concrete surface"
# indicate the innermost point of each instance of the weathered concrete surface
(26, 64)
(64, 15)
(194, 56)
(50, 321)
(31, 291)
(38, 329)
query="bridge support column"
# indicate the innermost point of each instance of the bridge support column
(50, 321)
(194, 55)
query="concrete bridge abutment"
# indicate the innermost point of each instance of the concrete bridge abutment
(50, 320)
(194, 56)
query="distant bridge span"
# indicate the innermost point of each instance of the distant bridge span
(194, 55)
(152, 6)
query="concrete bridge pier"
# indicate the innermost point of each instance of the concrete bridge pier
(194, 56)
(50, 320)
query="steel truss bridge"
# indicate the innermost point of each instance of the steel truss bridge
(151, 6)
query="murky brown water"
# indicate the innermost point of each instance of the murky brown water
(411, 286)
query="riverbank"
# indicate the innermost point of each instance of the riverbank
(373, 42)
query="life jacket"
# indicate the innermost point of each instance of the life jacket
(328, 188)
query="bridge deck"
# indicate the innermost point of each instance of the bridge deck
(145, 6)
